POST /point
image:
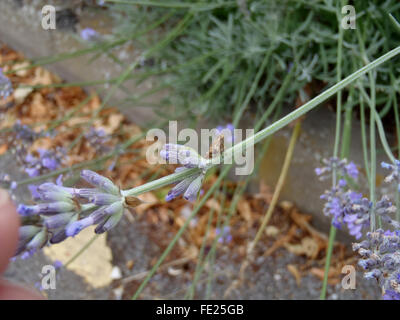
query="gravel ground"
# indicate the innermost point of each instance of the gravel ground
(267, 278)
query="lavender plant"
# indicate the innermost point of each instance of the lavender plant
(235, 36)
(380, 251)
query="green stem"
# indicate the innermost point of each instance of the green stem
(373, 153)
(332, 235)
(364, 138)
(332, 232)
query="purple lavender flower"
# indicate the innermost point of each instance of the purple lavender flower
(356, 213)
(5, 86)
(47, 160)
(100, 182)
(106, 217)
(224, 236)
(34, 192)
(98, 139)
(351, 170)
(394, 176)
(391, 295)
(343, 168)
(58, 220)
(179, 189)
(380, 258)
(32, 172)
(58, 264)
(74, 228)
(60, 213)
(26, 233)
(24, 132)
(60, 235)
(37, 242)
(384, 208)
(189, 158)
(189, 187)
(354, 227)
(109, 223)
(179, 154)
(89, 34)
(104, 212)
(46, 208)
(347, 208)
(193, 188)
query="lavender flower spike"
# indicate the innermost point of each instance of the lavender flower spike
(341, 165)
(179, 189)
(394, 176)
(189, 158)
(101, 216)
(5, 86)
(179, 154)
(380, 257)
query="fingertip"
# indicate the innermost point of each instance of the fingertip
(9, 291)
(9, 223)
